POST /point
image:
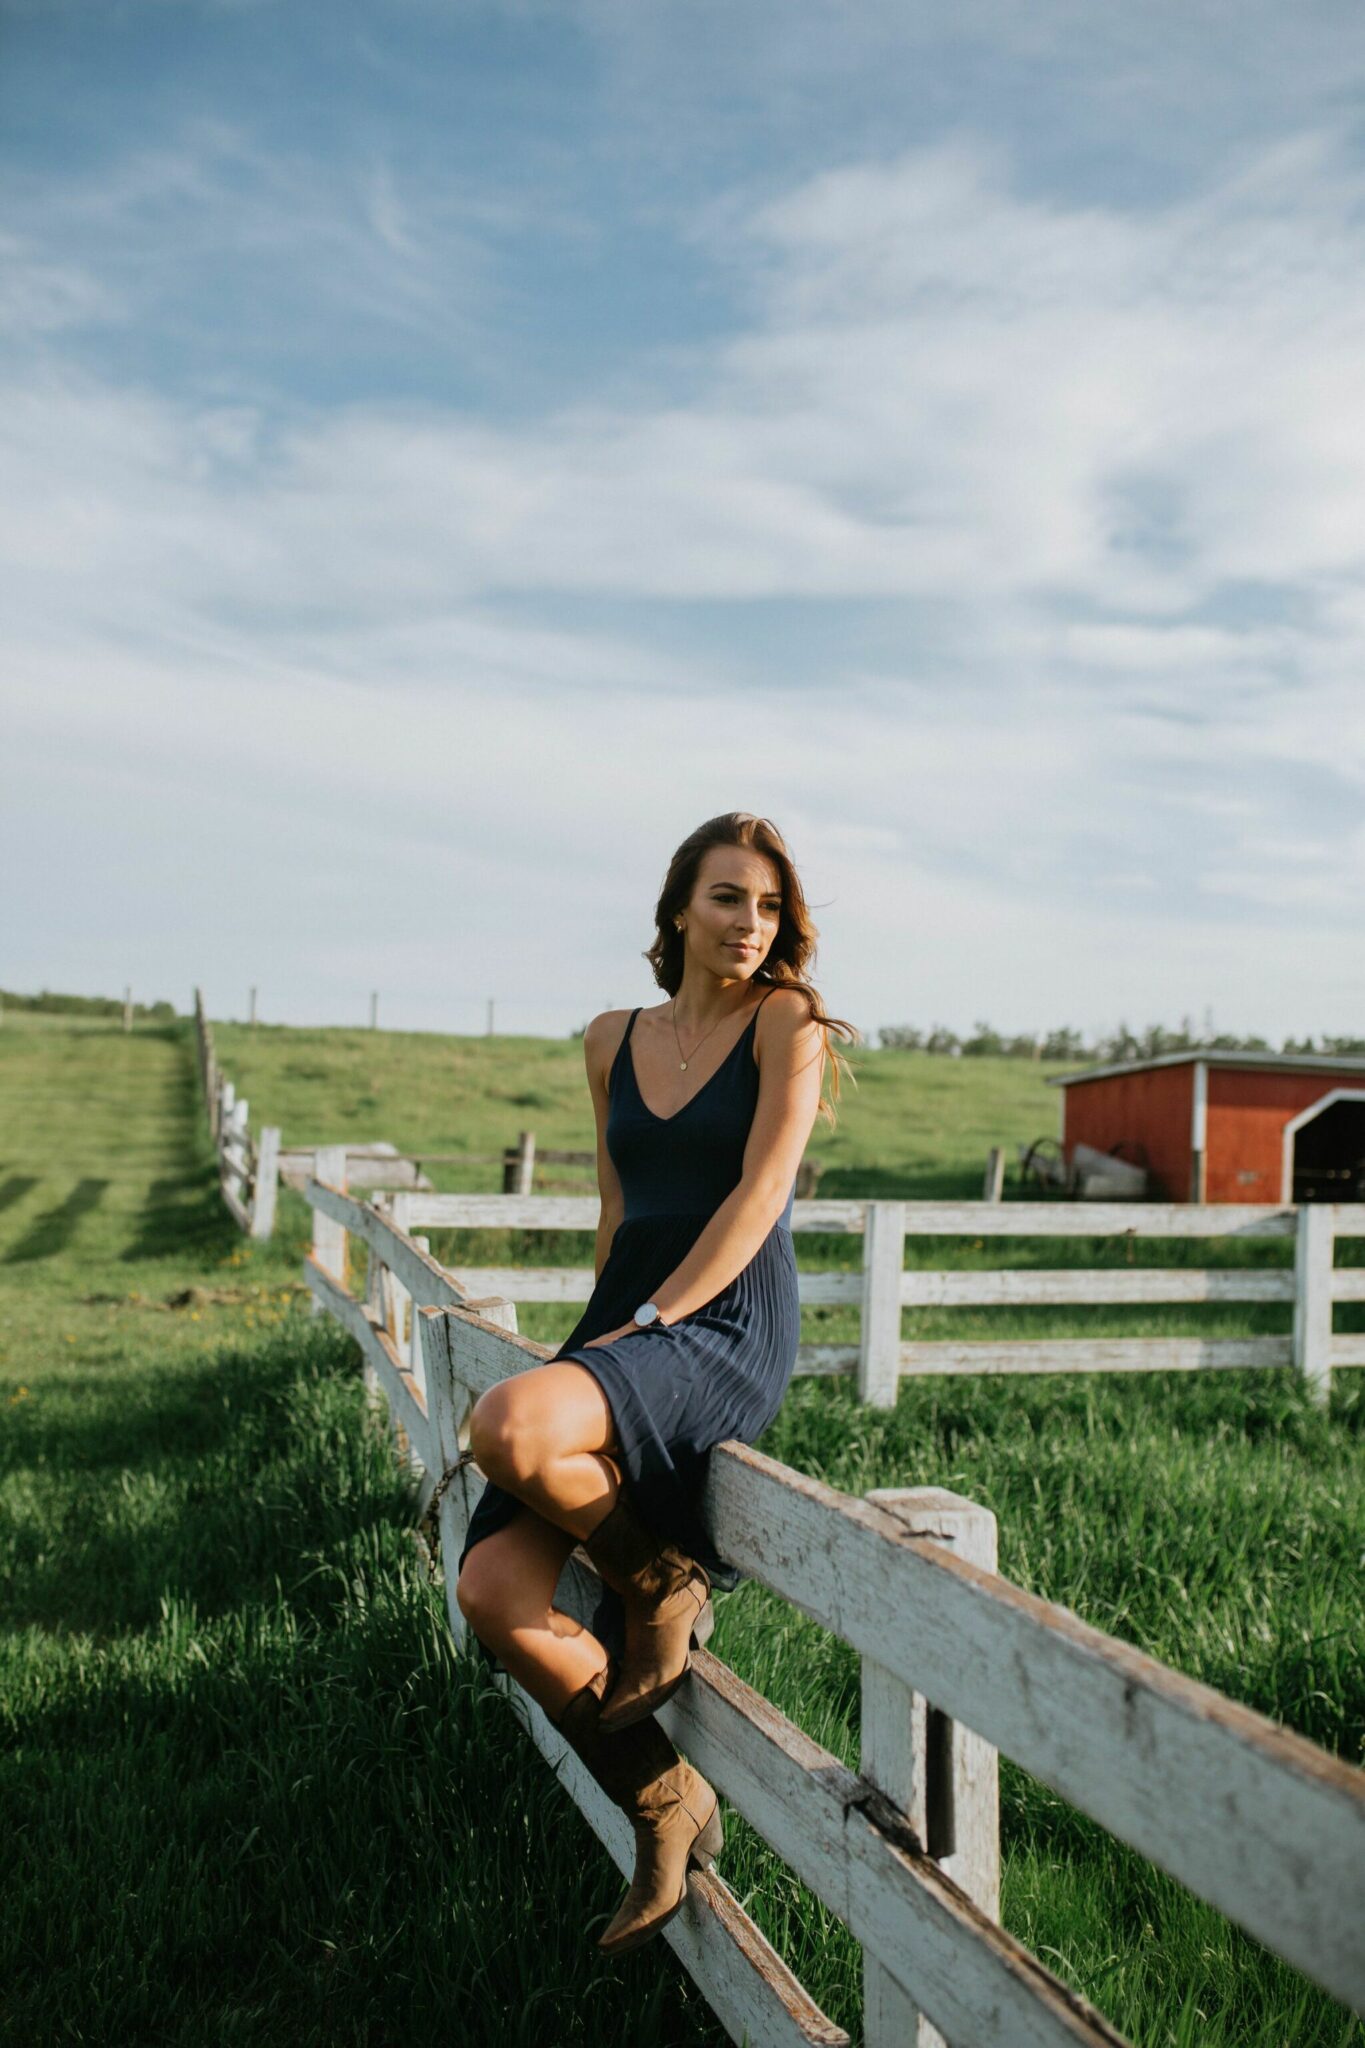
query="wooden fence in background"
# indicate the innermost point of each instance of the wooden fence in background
(958, 1665)
(884, 1287)
(248, 1169)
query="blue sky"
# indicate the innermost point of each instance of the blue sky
(446, 452)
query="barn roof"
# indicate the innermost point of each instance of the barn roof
(1310, 1062)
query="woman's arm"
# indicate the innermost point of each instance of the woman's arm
(600, 1042)
(791, 1066)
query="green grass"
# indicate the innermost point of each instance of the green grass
(908, 1124)
(252, 1794)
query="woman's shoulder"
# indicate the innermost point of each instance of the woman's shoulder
(606, 1030)
(787, 1008)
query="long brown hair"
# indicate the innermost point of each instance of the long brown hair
(792, 950)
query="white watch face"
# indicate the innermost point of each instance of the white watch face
(646, 1315)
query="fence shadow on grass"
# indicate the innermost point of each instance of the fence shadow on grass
(15, 1188)
(53, 1231)
(183, 1215)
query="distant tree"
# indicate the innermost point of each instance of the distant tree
(1023, 1046)
(984, 1043)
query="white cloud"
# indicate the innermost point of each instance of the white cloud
(333, 661)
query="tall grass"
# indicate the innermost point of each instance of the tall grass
(254, 1796)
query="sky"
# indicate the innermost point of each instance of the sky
(449, 451)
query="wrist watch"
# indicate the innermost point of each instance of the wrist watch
(645, 1315)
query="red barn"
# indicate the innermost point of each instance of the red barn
(1227, 1126)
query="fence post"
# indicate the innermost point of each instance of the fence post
(447, 1405)
(879, 1348)
(399, 1208)
(519, 1165)
(1314, 1252)
(329, 1238)
(995, 1175)
(402, 1303)
(943, 1777)
(267, 1182)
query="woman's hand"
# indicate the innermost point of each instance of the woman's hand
(611, 1335)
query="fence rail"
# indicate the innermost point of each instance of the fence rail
(883, 1287)
(958, 1665)
(248, 1169)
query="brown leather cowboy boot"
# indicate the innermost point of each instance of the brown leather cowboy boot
(663, 1592)
(675, 1813)
(677, 1822)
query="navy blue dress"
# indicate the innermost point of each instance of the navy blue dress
(675, 1391)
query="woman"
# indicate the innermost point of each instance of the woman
(689, 1338)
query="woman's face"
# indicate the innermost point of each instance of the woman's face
(731, 922)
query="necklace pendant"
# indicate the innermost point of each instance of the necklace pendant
(683, 1065)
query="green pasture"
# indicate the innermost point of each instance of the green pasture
(908, 1123)
(251, 1793)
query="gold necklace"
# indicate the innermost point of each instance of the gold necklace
(672, 1018)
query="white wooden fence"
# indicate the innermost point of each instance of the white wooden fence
(884, 1287)
(248, 1169)
(958, 1665)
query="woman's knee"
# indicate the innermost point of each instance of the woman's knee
(507, 1443)
(495, 1597)
(475, 1591)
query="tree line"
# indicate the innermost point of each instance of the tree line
(984, 1042)
(82, 1006)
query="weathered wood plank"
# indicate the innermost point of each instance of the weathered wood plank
(266, 1184)
(238, 1210)
(1259, 1822)
(844, 1840)
(922, 1219)
(1348, 1283)
(329, 1230)
(1348, 1351)
(404, 1394)
(236, 1155)
(943, 1778)
(580, 1212)
(741, 1976)
(1051, 1288)
(429, 1284)
(1096, 1219)
(880, 1328)
(1314, 1252)
(575, 1284)
(1097, 1354)
(826, 1359)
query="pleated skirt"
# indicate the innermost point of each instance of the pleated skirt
(677, 1391)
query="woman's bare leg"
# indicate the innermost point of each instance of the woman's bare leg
(545, 1436)
(506, 1594)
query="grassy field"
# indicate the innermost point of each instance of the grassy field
(254, 1797)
